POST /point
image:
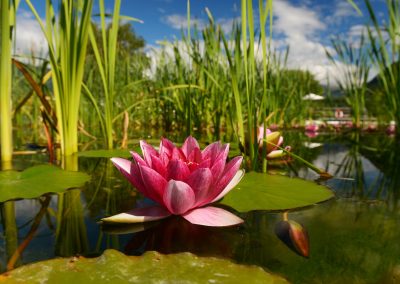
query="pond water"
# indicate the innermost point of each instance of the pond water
(353, 238)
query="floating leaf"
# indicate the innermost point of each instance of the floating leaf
(294, 235)
(152, 267)
(122, 153)
(259, 191)
(38, 180)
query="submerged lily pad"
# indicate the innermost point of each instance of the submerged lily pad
(38, 180)
(259, 191)
(152, 267)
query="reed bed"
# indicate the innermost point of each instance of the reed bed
(209, 83)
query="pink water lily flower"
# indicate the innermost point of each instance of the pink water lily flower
(182, 181)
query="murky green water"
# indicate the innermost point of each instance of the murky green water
(353, 239)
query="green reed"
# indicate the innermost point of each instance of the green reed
(243, 73)
(353, 62)
(7, 23)
(67, 38)
(210, 81)
(106, 59)
(385, 51)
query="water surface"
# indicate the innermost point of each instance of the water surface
(353, 238)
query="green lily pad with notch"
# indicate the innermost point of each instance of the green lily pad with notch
(152, 267)
(38, 180)
(259, 191)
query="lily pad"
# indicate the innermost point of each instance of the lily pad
(259, 191)
(38, 180)
(152, 267)
(122, 153)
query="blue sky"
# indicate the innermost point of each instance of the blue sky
(305, 25)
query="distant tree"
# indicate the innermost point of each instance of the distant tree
(129, 43)
(304, 80)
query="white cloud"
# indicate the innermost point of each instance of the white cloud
(342, 11)
(299, 28)
(227, 23)
(296, 21)
(345, 9)
(177, 21)
(357, 30)
(29, 36)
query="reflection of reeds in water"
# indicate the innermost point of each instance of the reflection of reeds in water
(10, 229)
(112, 206)
(71, 235)
(108, 195)
(357, 179)
(351, 167)
(391, 171)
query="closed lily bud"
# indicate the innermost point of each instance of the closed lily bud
(294, 235)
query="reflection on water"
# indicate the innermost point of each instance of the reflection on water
(353, 239)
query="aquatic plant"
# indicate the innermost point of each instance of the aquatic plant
(106, 59)
(294, 235)
(8, 11)
(67, 38)
(182, 181)
(274, 140)
(353, 62)
(385, 52)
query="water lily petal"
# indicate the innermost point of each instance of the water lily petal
(177, 170)
(276, 154)
(260, 134)
(130, 171)
(223, 154)
(195, 156)
(217, 169)
(200, 181)
(154, 183)
(139, 215)
(166, 148)
(211, 151)
(229, 172)
(158, 166)
(138, 158)
(147, 151)
(212, 216)
(178, 197)
(280, 141)
(123, 165)
(189, 145)
(205, 163)
(274, 138)
(236, 179)
(177, 154)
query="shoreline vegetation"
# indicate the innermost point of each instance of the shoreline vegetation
(207, 83)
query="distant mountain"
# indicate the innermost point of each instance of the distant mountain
(374, 83)
(374, 98)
